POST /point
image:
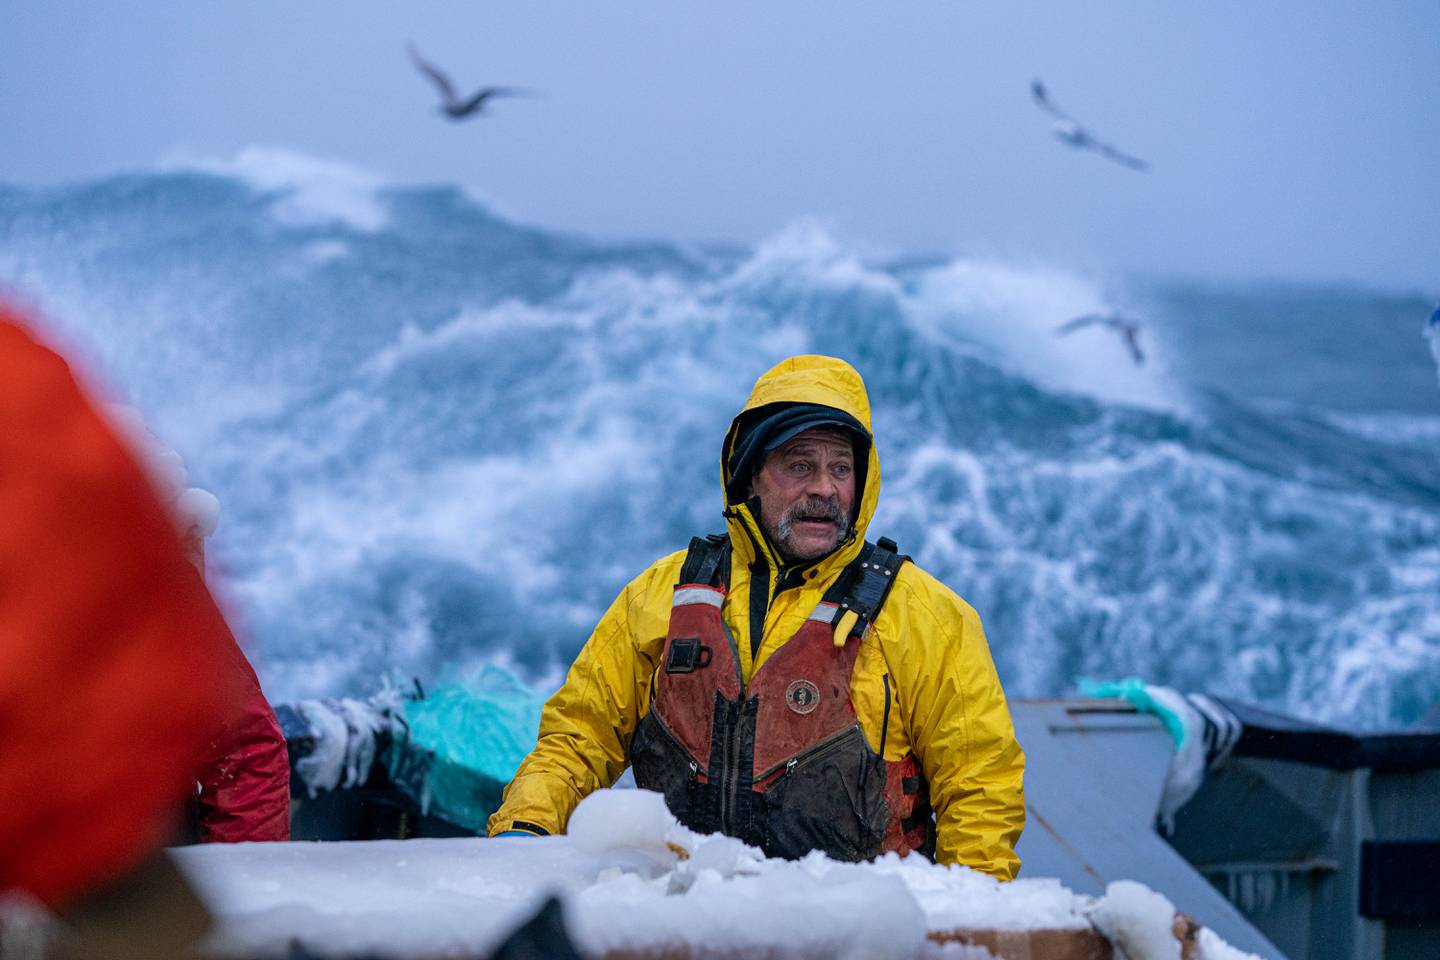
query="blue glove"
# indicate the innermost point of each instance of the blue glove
(514, 833)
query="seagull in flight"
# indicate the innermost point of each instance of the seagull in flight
(452, 106)
(1068, 131)
(1127, 328)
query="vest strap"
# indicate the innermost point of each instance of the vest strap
(707, 561)
(861, 589)
(865, 584)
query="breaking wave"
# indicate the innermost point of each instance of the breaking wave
(443, 439)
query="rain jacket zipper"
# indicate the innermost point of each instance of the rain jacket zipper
(731, 786)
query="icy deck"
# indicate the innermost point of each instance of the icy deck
(634, 882)
(439, 898)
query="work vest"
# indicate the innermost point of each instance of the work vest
(783, 764)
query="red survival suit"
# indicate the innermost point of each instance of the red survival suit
(119, 679)
(244, 773)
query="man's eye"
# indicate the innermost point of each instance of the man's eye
(799, 467)
(842, 470)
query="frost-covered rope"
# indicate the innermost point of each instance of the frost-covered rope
(346, 738)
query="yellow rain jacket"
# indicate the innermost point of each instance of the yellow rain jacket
(948, 703)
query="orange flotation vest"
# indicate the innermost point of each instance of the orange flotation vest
(783, 763)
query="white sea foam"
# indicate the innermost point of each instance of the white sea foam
(1015, 311)
(806, 253)
(469, 329)
(1390, 427)
(1008, 313)
(308, 191)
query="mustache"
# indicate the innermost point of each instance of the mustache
(815, 508)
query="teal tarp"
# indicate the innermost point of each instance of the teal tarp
(1134, 690)
(465, 744)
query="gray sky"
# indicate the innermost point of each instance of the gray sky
(1289, 139)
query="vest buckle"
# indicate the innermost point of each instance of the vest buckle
(687, 654)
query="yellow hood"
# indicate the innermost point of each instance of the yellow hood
(805, 379)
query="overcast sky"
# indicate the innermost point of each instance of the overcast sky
(1289, 139)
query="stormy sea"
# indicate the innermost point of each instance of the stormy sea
(444, 439)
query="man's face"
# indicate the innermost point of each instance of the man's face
(806, 490)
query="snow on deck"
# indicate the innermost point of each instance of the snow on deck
(630, 879)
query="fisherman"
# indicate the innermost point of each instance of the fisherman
(789, 683)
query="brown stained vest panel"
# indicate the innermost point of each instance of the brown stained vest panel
(790, 725)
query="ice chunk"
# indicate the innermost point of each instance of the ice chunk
(608, 819)
(1138, 920)
(721, 855)
(1214, 948)
(633, 832)
(659, 883)
(1143, 924)
(199, 510)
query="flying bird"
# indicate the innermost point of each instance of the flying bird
(451, 105)
(1067, 130)
(1128, 329)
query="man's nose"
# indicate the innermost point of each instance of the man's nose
(822, 485)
